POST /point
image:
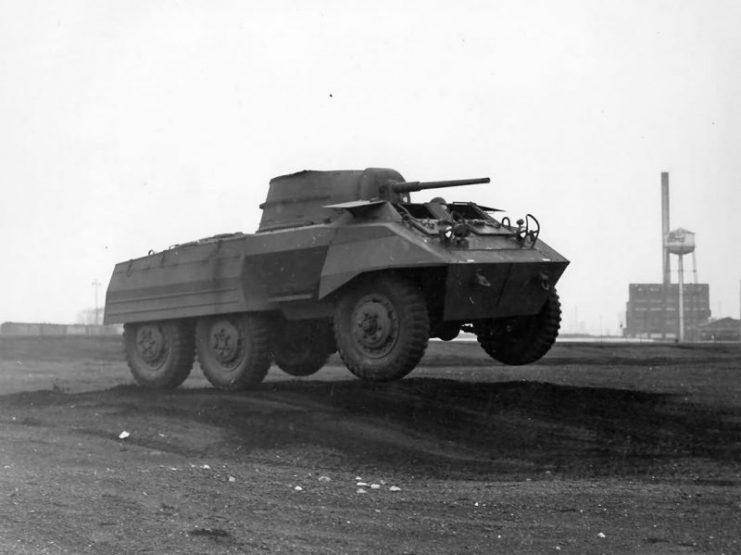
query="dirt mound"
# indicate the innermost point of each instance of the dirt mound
(587, 451)
(440, 427)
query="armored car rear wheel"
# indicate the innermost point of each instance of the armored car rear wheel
(382, 328)
(233, 350)
(522, 339)
(159, 354)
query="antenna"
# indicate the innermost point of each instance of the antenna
(96, 285)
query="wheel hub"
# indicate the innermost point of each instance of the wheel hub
(224, 341)
(150, 342)
(374, 325)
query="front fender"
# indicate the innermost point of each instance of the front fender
(366, 248)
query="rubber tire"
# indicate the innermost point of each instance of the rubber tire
(177, 356)
(310, 362)
(252, 359)
(535, 335)
(411, 337)
(302, 349)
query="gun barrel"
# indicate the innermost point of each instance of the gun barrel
(411, 186)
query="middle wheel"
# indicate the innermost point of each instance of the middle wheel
(382, 328)
(233, 350)
(302, 348)
(300, 360)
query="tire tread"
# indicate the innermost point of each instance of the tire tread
(181, 343)
(255, 368)
(542, 340)
(413, 350)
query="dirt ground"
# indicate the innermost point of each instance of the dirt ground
(598, 448)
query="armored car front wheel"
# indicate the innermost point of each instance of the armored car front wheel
(382, 328)
(233, 350)
(522, 339)
(159, 354)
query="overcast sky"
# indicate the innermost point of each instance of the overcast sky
(129, 126)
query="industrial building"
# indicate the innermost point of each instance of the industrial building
(725, 329)
(653, 310)
(24, 329)
(669, 310)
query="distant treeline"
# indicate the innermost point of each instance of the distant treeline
(55, 330)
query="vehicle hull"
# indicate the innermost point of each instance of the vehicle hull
(298, 272)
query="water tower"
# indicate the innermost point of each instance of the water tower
(681, 242)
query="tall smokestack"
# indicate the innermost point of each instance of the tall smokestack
(665, 226)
